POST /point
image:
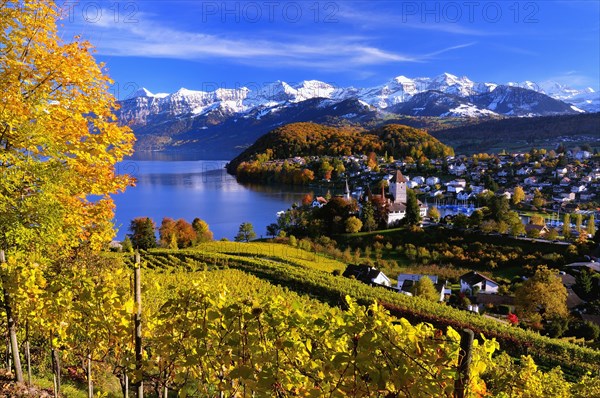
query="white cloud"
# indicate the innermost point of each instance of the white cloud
(399, 18)
(451, 48)
(148, 38)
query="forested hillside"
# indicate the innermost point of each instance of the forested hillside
(522, 133)
(311, 139)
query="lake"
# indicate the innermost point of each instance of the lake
(185, 188)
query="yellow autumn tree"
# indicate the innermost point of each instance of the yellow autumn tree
(59, 142)
(542, 296)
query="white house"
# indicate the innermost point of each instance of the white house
(455, 188)
(472, 280)
(367, 274)
(407, 281)
(459, 181)
(530, 181)
(565, 182)
(581, 155)
(419, 180)
(382, 279)
(457, 169)
(432, 180)
(561, 171)
(396, 212)
(524, 171)
(477, 189)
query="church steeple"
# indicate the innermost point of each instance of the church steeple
(347, 192)
(398, 187)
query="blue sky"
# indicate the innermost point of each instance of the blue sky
(203, 45)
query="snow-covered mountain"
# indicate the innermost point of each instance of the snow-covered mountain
(143, 106)
(438, 103)
(518, 101)
(586, 99)
(162, 120)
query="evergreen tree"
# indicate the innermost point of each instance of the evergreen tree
(591, 226)
(567, 226)
(578, 221)
(584, 281)
(499, 207)
(142, 233)
(126, 245)
(413, 212)
(368, 217)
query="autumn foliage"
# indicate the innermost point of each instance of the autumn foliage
(59, 138)
(59, 142)
(264, 160)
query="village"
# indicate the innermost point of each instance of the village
(550, 184)
(555, 195)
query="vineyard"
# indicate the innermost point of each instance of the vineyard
(303, 278)
(258, 320)
(221, 319)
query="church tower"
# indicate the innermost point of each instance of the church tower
(347, 192)
(398, 187)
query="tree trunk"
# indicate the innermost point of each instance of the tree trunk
(126, 390)
(56, 371)
(8, 353)
(12, 329)
(28, 353)
(138, 324)
(89, 376)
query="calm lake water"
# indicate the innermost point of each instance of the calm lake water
(197, 188)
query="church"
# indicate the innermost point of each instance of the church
(397, 203)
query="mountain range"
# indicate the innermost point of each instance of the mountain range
(228, 120)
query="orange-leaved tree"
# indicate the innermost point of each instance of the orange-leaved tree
(59, 142)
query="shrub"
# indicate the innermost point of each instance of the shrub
(503, 309)
(556, 327)
(586, 330)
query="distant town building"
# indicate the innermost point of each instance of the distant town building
(397, 205)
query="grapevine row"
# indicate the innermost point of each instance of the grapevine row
(575, 359)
